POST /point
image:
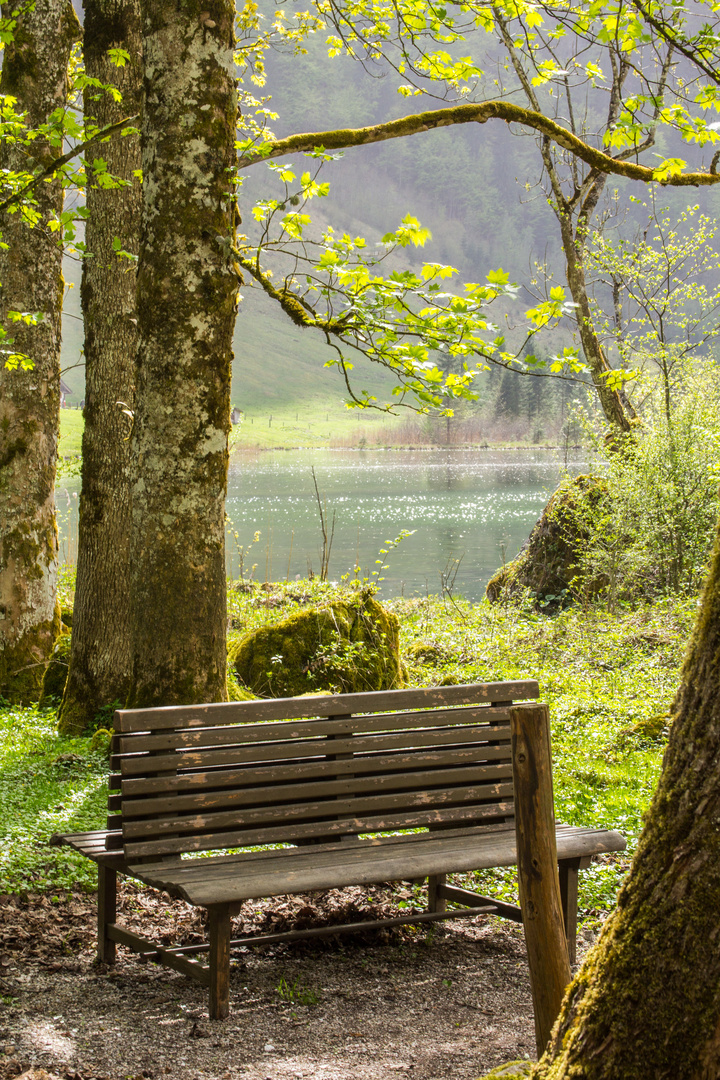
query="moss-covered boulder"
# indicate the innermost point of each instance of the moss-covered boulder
(55, 677)
(429, 653)
(236, 692)
(344, 647)
(513, 1070)
(549, 563)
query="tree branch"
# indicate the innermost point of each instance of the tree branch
(58, 163)
(343, 138)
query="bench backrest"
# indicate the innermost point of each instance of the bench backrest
(298, 770)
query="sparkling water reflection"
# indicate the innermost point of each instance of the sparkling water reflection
(473, 505)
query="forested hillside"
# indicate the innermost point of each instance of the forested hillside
(477, 188)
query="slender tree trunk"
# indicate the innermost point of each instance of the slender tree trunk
(646, 1002)
(101, 654)
(34, 71)
(617, 409)
(187, 296)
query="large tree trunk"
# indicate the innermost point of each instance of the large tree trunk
(646, 1002)
(101, 656)
(187, 295)
(34, 71)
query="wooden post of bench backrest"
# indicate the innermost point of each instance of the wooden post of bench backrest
(538, 881)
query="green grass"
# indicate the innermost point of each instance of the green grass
(609, 679)
(71, 429)
(48, 784)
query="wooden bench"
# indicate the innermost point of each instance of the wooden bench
(301, 794)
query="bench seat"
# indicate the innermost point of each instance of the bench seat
(253, 875)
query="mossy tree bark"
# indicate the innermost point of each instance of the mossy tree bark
(187, 296)
(101, 657)
(34, 71)
(646, 1002)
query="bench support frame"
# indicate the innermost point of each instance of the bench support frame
(106, 912)
(216, 973)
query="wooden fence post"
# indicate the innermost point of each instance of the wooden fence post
(539, 885)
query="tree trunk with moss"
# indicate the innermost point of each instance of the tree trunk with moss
(646, 1002)
(187, 296)
(34, 72)
(101, 656)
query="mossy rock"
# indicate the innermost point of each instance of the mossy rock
(66, 615)
(236, 692)
(653, 727)
(101, 741)
(513, 1070)
(548, 564)
(56, 673)
(348, 646)
(428, 652)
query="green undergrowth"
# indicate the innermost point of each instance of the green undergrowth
(608, 677)
(48, 784)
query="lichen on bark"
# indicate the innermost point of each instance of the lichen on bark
(101, 658)
(34, 71)
(187, 296)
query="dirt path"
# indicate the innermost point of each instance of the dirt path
(449, 1003)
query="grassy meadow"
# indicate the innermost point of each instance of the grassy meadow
(608, 676)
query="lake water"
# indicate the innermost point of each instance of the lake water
(476, 506)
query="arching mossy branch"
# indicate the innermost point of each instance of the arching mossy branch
(301, 313)
(343, 138)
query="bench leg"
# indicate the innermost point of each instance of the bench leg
(219, 931)
(568, 897)
(435, 903)
(107, 912)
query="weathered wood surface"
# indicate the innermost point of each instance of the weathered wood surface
(253, 875)
(322, 768)
(145, 765)
(286, 730)
(278, 834)
(219, 934)
(288, 813)
(208, 797)
(313, 780)
(537, 856)
(240, 712)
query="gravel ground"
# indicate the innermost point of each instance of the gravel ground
(451, 1002)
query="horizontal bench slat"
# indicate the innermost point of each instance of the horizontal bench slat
(197, 759)
(319, 810)
(240, 712)
(308, 790)
(241, 775)
(345, 826)
(288, 730)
